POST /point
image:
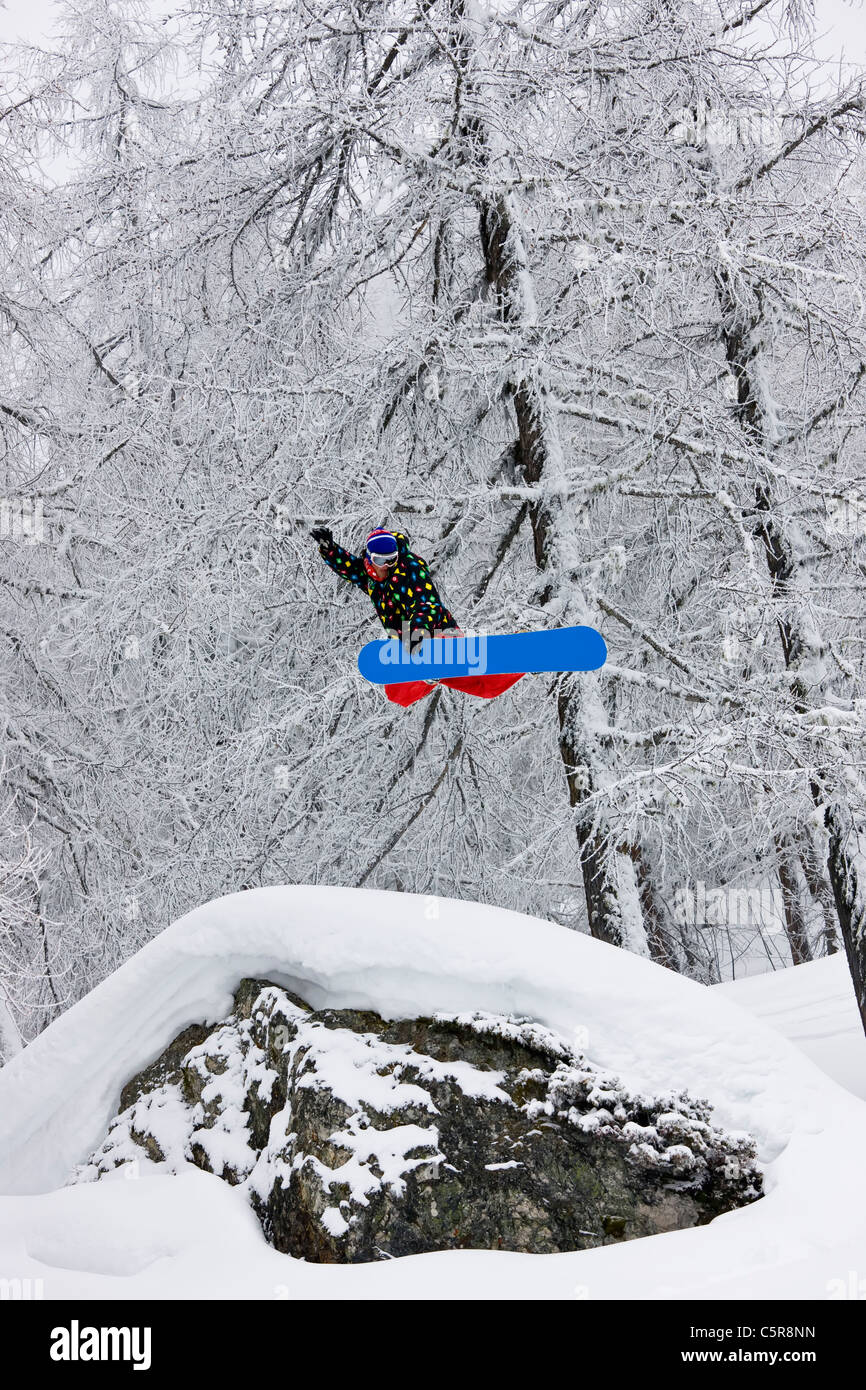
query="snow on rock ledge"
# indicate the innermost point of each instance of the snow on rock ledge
(403, 956)
(195, 1236)
(358, 1140)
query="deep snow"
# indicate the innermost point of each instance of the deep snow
(193, 1236)
(813, 1005)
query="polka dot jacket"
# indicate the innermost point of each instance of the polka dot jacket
(406, 594)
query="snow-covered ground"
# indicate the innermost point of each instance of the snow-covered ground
(814, 1006)
(151, 1235)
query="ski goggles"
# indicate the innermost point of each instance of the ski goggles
(388, 561)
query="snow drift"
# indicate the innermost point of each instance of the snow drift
(403, 956)
(815, 1006)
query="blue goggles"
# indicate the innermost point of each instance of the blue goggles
(387, 560)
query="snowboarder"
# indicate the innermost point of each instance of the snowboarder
(407, 602)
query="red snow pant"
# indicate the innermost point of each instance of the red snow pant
(486, 687)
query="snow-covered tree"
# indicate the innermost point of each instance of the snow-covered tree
(568, 292)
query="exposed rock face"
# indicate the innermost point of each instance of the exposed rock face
(358, 1139)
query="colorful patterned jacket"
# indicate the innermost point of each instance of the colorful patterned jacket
(406, 594)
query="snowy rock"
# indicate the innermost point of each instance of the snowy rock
(357, 1139)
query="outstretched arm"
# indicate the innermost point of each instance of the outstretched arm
(342, 562)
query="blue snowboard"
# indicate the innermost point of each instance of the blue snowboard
(560, 649)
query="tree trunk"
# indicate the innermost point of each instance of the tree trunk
(796, 927)
(845, 864)
(613, 901)
(739, 327)
(662, 937)
(610, 886)
(821, 893)
(10, 1038)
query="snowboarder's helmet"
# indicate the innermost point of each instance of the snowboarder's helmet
(382, 547)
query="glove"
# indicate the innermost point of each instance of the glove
(322, 535)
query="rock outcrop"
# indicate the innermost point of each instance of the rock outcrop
(359, 1139)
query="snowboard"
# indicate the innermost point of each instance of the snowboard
(388, 662)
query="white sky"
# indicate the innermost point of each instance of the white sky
(841, 26)
(25, 19)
